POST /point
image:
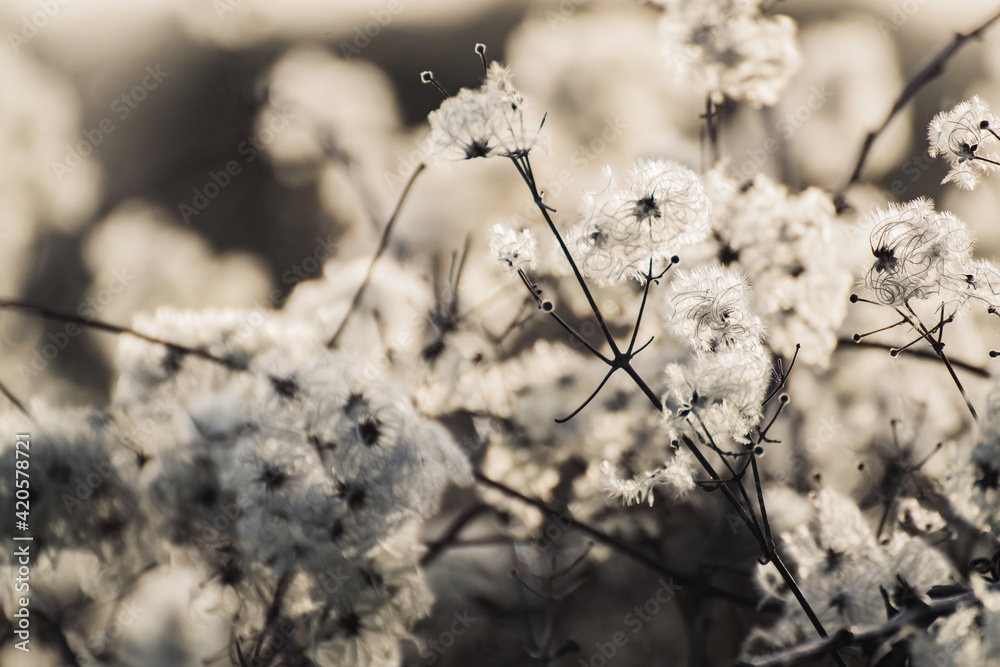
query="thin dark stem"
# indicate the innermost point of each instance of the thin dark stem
(650, 279)
(763, 432)
(847, 344)
(939, 351)
(273, 613)
(784, 376)
(436, 548)
(985, 159)
(382, 244)
(589, 398)
(757, 530)
(958, 383)
(786, 575)
(9, 395)
(642, 308)
(583, 341)
(929, 72)
(57, 316)
(711, 117)
(751, 524)
(760, 502)
(523, 166)
(534, 291)
(644, 345)
(857, 337)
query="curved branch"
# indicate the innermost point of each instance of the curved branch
(382, 243)
(930, 71)
(846, 344)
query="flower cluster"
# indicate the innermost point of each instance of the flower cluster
(83, 483)
(789, 245)
(289, 463)
(842, 570)
(919, 253)
(723, 386)
(728, 48)
(662, 208)
(959, 135)
(486, 122)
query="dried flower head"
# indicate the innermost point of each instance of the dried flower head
(918, 253)
(719, 393)
(709, 308)
(959, 135)
(663, 208)
(485, 122)
(515, 250)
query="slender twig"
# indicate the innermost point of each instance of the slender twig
(757, 530)
(273, 613)
(784, 376)
(711, 117)
(939, 351)
(985, 159)
(382, 244)
(592, 396)
(547, 307)
(847, 344)
(926, 74)
(434, 549)
(763, 508)
(9, 395)
(523, 166)
(55, 315)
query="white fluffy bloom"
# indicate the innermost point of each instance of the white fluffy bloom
(485, 122)
(662, 209)
(984, 280)
(918, 253)
(709, 308)
(959, 135)
(515, 250)
(677, 476)
(313, 463)
(728, 49)
(841, 570)
(719, 393)
(973, 481)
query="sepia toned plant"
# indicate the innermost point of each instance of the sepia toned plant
(561, 381)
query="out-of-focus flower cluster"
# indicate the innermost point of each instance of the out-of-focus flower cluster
(849, 578)
(729, 48)
(793, 252)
